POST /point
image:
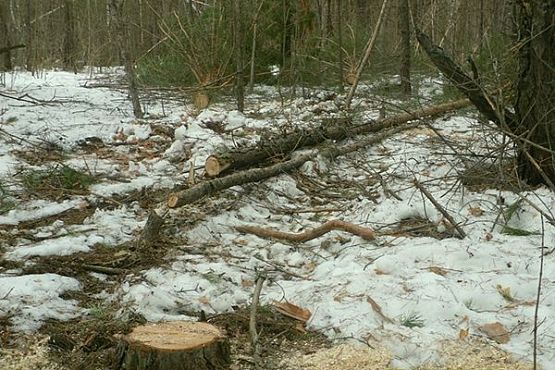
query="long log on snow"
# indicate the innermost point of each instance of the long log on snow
(205, 188)
(281, 146)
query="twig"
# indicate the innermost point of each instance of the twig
(538, 298)
(104, 269)
(252, 322)
(281, 269)
(7, 294)
(30, 100)
(440, 208)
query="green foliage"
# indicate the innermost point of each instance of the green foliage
(508, 214)
(412, 320)
(6, 201)
(197, 50)
(56, 178)
(508, 230)
(164, 69)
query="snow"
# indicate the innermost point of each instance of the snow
(31, 299)
(37, 209)
(334, 276)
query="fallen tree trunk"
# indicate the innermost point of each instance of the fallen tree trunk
(469, 86)
(278, 147)
(205, 188)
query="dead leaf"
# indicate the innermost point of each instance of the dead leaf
(293, 311)
(475, 211)
(505, 293)
(488, 237)
(300, 327)
(463, 333)
(517, 303)
(496, 331)
(247, 283)
(438, 270)
(377, 309)
(204, 300)
(341, 295)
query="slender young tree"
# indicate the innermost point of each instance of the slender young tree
(404, 27)
(70, 37)
(122, 37)
(239, 53)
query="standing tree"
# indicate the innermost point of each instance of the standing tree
(70, 42)
(532, 125)
(123, 42)
(239, 54)
(535, 101)
(404, 27)
(7, 36)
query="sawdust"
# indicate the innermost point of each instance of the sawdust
(455, 355)
(31, 353)
(343, 356)
(476, 354)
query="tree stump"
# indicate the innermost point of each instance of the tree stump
(178, 345)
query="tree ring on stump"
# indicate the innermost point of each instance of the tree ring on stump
(176, 345)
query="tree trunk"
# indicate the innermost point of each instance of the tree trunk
(535, 102)
(6, 32)
(390, 126)
(70, 42)
(122, 37)
(239, 54)
(339, 27)
(178, 345)
(404, 27)
(282, 146)
(30, 37)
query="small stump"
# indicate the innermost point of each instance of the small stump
(178, 345)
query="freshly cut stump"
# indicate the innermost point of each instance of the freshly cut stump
(177, 345)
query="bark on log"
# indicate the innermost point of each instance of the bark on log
(178, 345)
(151, 231)
(281, 146)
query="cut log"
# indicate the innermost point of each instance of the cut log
(215, 165)
(282, 146)
(178, 345)
(205, 188)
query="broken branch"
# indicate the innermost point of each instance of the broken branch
(262, 232)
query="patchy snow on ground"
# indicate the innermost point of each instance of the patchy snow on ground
(409, 290)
